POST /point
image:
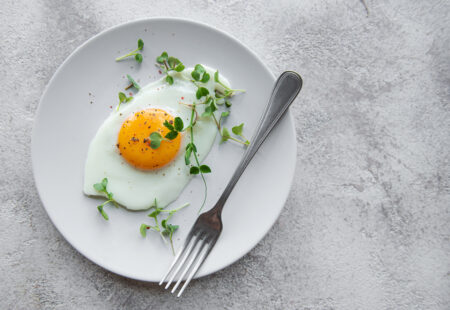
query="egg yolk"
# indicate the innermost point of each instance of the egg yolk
(134, 140)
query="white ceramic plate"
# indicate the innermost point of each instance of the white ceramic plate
(66, 122)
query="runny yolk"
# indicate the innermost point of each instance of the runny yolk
(134, 143)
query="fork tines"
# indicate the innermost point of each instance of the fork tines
(196, 248)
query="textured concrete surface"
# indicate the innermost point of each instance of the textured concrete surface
(366, 225)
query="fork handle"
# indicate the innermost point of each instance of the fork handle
(284, 92)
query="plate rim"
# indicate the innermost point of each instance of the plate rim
(55, 76)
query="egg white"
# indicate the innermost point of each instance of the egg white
(136, 189)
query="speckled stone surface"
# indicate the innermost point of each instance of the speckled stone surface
(366, 225)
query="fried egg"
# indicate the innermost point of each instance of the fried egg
(121, 152)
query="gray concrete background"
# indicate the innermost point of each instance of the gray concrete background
(366, 225)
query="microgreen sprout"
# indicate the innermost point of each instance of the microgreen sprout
(201, 92)
(191, 149)
(228, 92)
(211, 107)
(199, 74)
(123, 98)
(164, 228)
(225, 135)
(237, 130)
(102, 188)
(168, 64)
(137, 56)
(133, 83)
(223, 115)
(178, 126)
(156, 138)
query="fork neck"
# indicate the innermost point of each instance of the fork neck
(284, 92)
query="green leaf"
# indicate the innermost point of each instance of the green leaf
(201, 91)
(187, 156)
(138, 58)
(227, 104)
(192, 146)
(168, 125)
(205, 169)
(169, 230)
(169, 79)
(179, 67)
(199, 68)
(155, 213)
(99, 187)
(225, 134)
(122, 97)
(209, 100)
(140, 44)
(172, 228)
(213, 104)
(194, 170)
(225, 114)
(105, 182)
(132, 81)
(129, 99)
(110, 196)
(237, 130)
(173, 62)
(189, 149)
(143, 230)
(216, 76)
(200, 74)
(195, 75)
(164, 223)
(205, 78)
(102, 212)
(162, 58)
(155, 140)
(178, 124)
(209, 110)
(171, 135)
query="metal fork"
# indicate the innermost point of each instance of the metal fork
(208, 226)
